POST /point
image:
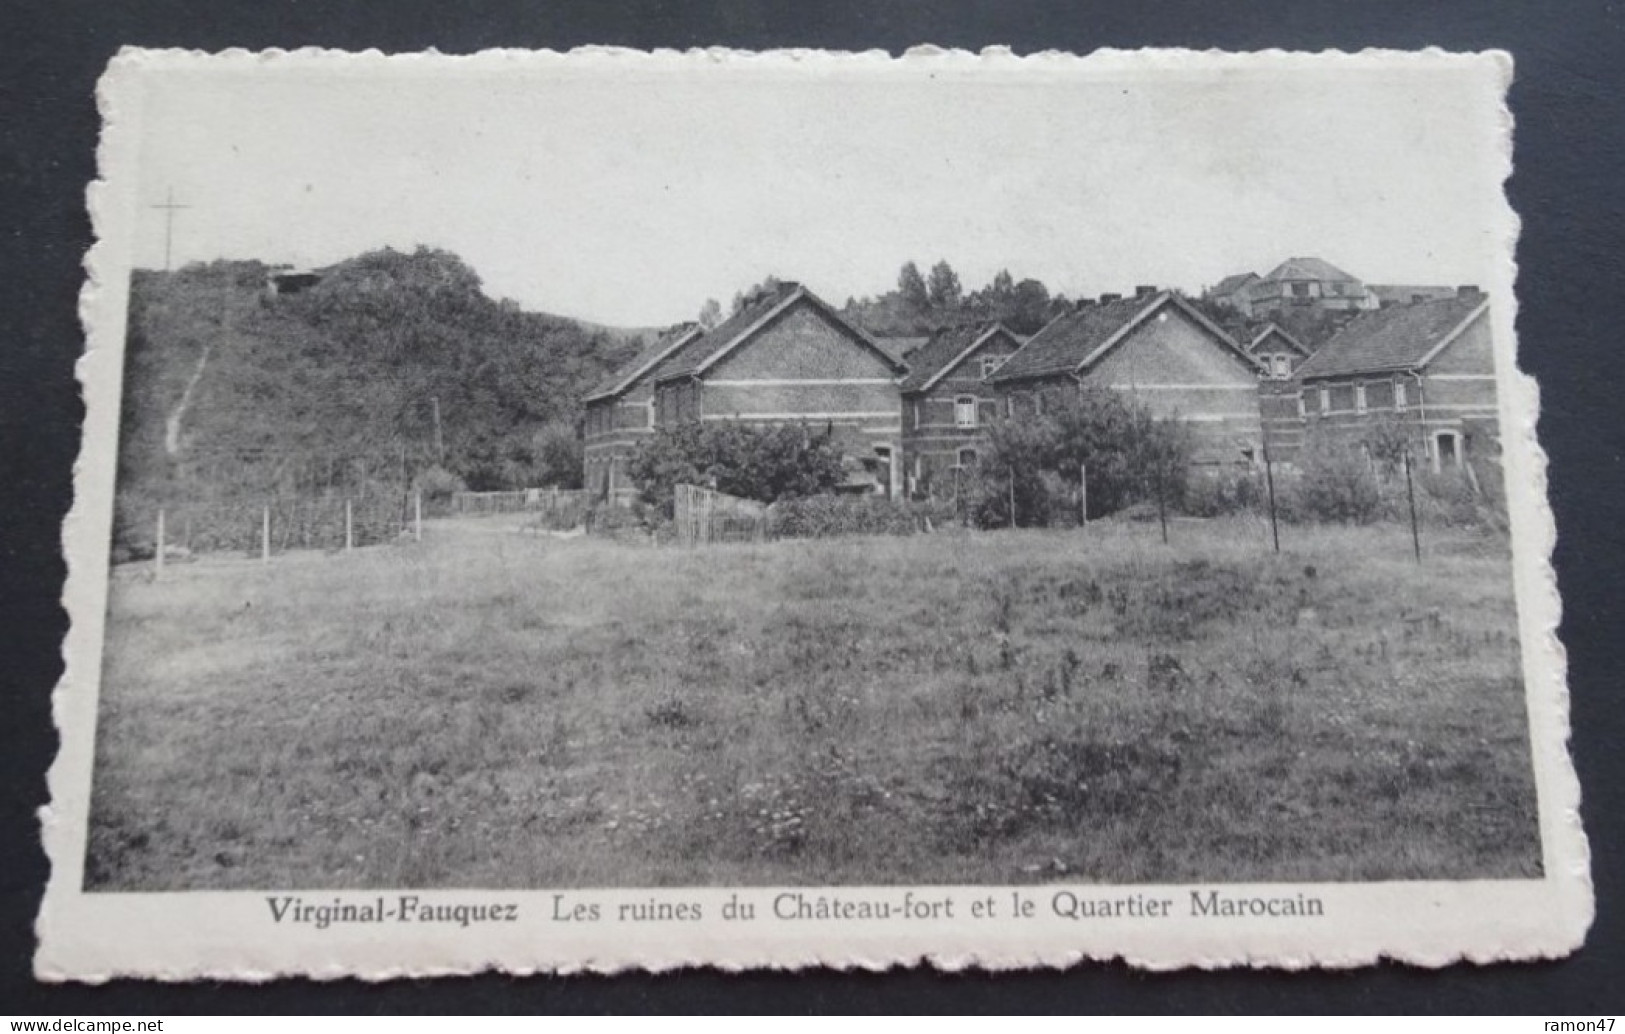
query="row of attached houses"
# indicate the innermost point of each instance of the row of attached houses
(908, 415)
(1427, 368)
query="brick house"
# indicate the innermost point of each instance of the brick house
(948, 401)
(1156, 347)
(619, 411)
(1426, 367)
(788, 357)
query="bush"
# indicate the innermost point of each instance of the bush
(823, 516)
(1222, 493)
(1334, 484)
(1126, 449)
(438, 485)
(761, 463)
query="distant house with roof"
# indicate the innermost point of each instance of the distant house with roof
(619, 410)
(1306, 281)
(948, 400)
(787, 356)
(1427, 367)
(1155, 347)
(1232, 291)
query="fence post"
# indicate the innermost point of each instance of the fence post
(1269, 485)
(158, 554)
(265, 535)
(1083, 493)
(1410, 495)
(417, 516)
(1162, 504)
(1012, 496)
(349, 526)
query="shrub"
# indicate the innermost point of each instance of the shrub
(1221, 493)
(761, 463)
(1334, 484)
(823, 516)
(438, 485)
(1130, 455)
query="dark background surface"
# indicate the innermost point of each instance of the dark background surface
(1570, 160)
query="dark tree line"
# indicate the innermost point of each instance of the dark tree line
(924, 302)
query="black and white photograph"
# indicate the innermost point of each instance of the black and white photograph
(829, 485)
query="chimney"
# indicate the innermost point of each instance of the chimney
(1082, 304)
(1145, 291)
(1107, 299)
(1470, 291)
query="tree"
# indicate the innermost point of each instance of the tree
(710, 313)
(1130, 455)
(557, 456)
(943, 289)
(911, 285)
(1002, 287)
(784, 461)
(1029, 307)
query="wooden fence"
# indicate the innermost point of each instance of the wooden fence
(704, 515)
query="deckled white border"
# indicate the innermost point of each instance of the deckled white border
(186, 936)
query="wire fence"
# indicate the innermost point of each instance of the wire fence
(264, 528)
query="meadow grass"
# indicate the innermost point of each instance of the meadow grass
(496, 710)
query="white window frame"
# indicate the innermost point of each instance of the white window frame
(1303, 407)
(1401, 402)
(991, 363)
(964, 404)
(1359, 398)
(1325, 400)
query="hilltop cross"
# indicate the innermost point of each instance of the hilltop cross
(169, 208)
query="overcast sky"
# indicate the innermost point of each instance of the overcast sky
(628, 193)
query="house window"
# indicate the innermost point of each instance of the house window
(1303, 410)
(916, 413)
(1300, 289)
(1038, 403)
(1400, 402)
(1325, 400)
(991, 363)
(1359, 398)
(967, 457)
(1283, 367)
(964, 411)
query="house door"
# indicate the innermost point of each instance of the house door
(886, 471)
(1447, 449)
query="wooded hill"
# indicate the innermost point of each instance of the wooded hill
(231, 391)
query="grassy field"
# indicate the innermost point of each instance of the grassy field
(501, 711)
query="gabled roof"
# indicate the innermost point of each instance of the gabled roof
(663, 347)
(1075, 340)
(946, 349)
(1232, 283)
(900, 348)
(754, 317)
(1307, 268)
(1271, 330)
(1404, 337)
